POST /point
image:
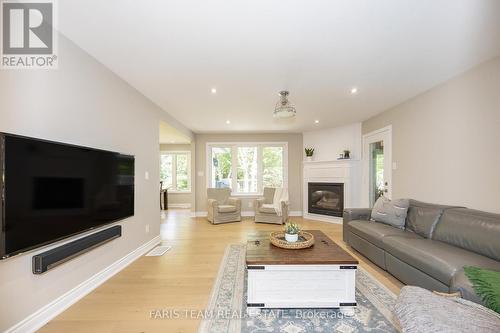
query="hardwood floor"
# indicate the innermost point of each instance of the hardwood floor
(181, 279)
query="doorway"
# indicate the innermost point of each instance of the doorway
(377, 165)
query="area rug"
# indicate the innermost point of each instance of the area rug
(226, 310)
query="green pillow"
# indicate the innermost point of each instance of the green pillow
(486, 284)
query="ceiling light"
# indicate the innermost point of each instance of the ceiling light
(284, 109)
(213, 91)
(316, 121)
(228, 122)
(354, 91)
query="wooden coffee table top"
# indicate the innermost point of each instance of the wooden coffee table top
(260, 251)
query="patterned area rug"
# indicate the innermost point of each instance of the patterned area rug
(226, 311)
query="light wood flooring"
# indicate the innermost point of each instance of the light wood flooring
(181, 279)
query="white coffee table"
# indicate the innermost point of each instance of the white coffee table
(323, 276)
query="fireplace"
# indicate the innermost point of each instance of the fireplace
(326, 199)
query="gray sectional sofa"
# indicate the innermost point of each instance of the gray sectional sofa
(437, 242)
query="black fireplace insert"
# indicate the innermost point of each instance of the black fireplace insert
(326, 199)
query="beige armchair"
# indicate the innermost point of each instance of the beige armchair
(264, 209)
(221, 207)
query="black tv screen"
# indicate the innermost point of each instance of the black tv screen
(50, 191)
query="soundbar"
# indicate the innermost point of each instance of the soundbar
(47, 260)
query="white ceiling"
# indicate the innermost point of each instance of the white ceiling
(174, 52)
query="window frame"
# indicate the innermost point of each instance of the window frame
(234, 162)
(174, 188)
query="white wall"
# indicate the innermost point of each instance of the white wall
(329, 143)
(81, 103)
(446, 142)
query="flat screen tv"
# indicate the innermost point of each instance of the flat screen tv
(50, 191)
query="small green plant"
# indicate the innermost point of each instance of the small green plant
(292, 228)
(347, 153)
(309, 152)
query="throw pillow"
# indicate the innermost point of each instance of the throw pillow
(391, 212)
(486, 284)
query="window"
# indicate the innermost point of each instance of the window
(272, 166)
(221, 167)
(247, 168)
(175, 171)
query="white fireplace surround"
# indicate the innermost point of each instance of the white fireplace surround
(347, 172)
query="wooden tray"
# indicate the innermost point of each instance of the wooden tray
(306, 240)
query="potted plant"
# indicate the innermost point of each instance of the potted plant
(292, 231)
(309, 153)
(347, 154)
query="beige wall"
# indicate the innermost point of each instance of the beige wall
(183, 198)
(446, 142)
(81, 103)
(294, 141)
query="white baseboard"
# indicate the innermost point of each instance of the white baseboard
(247, 213)
(292, 213)
(323, 218)
(180, 205)
(41, 317)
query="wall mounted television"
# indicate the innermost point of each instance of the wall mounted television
(50, 191)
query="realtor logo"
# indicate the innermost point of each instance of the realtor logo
(28, 35)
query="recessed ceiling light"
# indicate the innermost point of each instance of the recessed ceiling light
(213, 91)
(354, 90)
(316, 121)
(228, 122)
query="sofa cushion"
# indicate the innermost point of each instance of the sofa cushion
(267, 209)
(374, 231)
(470, 229)
(227, 209)
(391, 212)
(422, 217)
(437, 259)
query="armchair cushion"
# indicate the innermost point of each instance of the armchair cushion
(269, 195)
(267, 209)
(227, 209)
(420, 311)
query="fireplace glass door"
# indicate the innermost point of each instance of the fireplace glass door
(326, 199)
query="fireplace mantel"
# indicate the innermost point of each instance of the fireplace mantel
(332, 161)
(347, 172)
